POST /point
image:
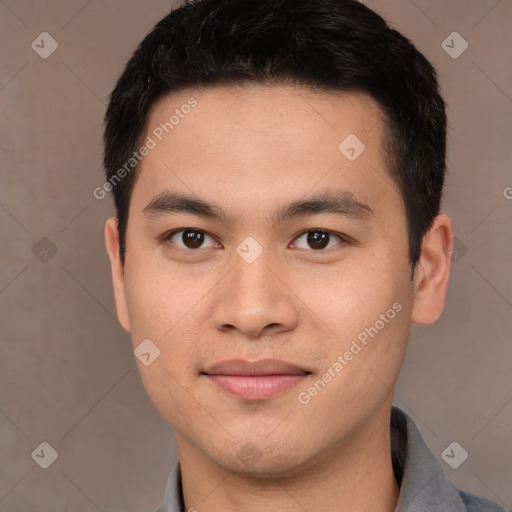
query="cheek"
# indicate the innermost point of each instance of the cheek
(348, 296)
(155, 302)
(364, 311)
(169, 309)
(160, 310)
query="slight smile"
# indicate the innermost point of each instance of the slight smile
(257, 380)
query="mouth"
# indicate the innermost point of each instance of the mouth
(256, 380)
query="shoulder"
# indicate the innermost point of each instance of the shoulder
(423, 483)
(474, 503)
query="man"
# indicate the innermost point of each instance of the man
(277, 168)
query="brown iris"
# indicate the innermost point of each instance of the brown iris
(194, 238)
(318, 239)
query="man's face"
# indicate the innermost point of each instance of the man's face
(244, 287)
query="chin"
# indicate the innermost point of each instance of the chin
(261, 460)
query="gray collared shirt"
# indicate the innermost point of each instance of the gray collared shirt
(423, 485)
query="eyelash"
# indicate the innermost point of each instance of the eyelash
(344, 238)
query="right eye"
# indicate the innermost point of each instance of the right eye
(191, 238)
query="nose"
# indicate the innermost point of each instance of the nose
(255, 299)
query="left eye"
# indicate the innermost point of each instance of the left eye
(317, 238)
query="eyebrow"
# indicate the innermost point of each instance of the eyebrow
(339, 202)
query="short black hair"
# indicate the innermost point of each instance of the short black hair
(333, 45)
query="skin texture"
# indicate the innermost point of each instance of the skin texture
(251, 149)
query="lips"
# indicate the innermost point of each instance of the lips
(248, 368)
(255, 380)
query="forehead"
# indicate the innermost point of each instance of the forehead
(287, 113)
(264, 143)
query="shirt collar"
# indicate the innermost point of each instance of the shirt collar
(423, 485)
(423, 482)
(173, 500)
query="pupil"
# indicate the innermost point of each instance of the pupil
(320, 241)
(192, 239)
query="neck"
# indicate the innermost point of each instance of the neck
(355, 475)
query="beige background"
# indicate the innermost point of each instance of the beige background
(67, 371)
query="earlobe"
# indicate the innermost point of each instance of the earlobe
(112, 244)
(432, 272)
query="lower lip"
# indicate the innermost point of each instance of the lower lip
(256, 387)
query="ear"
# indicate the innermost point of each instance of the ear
(112, 243)
(432, 272)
